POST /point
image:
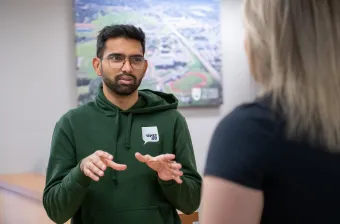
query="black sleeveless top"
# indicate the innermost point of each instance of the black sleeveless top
(301, 184)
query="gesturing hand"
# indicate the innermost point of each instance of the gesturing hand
(94, 165)
(164, 165)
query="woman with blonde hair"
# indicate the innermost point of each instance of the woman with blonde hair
(277, 160)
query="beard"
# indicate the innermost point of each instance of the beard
(121, 89)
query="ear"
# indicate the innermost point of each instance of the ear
(145, 66)
(97, 66)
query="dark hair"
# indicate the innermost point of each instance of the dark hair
(115, 31)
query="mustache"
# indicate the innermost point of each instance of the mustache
(125, 74)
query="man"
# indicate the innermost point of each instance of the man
(126, 157)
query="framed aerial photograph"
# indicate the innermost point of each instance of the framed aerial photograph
(183, 46)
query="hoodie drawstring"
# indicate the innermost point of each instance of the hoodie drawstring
(127, 144)
(128, 132)
(115, 148)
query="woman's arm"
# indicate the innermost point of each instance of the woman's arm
(226, 202)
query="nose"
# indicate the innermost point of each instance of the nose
(127, 68)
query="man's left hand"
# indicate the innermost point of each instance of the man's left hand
(164, 165)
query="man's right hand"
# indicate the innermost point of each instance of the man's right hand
(94, 165)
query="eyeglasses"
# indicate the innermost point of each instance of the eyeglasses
(117, 61)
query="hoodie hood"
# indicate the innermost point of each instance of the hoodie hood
(149, 101)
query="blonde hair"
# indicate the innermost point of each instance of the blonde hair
(294, 53)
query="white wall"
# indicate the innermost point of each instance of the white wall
(38, 79)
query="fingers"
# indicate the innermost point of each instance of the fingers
(174, 168)
(98, 162)
(177, 173)
(147, 158)
(170, 170)
(90, 174)
(95, 165)
(143, 159)
(177, 179)
(103, 154)
(167, 157)
(174, 165)
(140, 157)
(116, 166)
(94, 170)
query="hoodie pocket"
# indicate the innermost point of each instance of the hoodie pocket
(149, 215)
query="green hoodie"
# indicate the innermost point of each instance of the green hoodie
(152, 126)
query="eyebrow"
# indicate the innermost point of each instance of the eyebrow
(119, 54)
